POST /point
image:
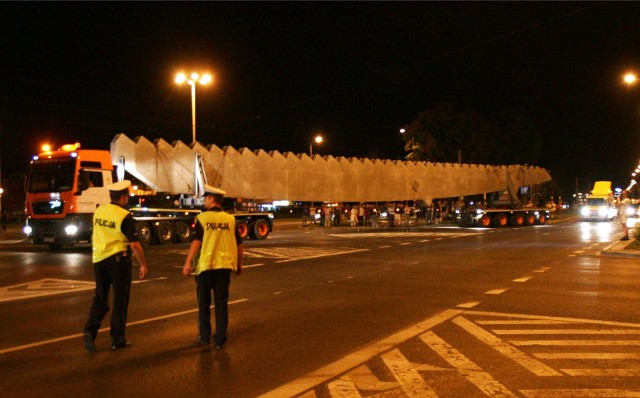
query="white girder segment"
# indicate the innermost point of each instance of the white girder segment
(257, 174)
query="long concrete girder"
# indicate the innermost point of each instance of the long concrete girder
(261, 175)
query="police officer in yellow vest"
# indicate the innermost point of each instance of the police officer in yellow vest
(217, 250)
(115, 242)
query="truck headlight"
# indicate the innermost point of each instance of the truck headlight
(27, 230)
(584, 211)
(479, 211)
(71, 229)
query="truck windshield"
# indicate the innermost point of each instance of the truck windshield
(597, 201)
(51, 175)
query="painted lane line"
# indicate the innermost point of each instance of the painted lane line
(565, 331)
(587, 355)
(79, 335)
(523, 279)
(410, 380)
(552, 318)
(580, 393)
(543, 269)
(496, 291)
(405, 243)
(466, 367)
(470, 304)
(578, 252)
(384, 247)
(521, 358)
(423, 241)
(252, 265)
(310, 380)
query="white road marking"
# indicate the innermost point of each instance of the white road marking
(523, 279)
(542, 269)
(470, 304)
(325, 254)
(523, 322)
(466, 367)
(51, 286)
(384, 247)
(580, 393)
(405, 243)
(129, 324)
(496, 291)
(603, 372)
(569, 343)
(578, 252)
(364, 379)
(565, 331)
(529, 363)
(405, 234)
(252, 265)
(350, 361)
(587, 355)
(410, 380)
(343, 388)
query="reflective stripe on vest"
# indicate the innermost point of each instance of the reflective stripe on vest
(107, 236)
(219, 249)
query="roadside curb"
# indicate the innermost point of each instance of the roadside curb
(619, 249)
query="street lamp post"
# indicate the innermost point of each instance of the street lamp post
(317, 140)
(193, 79)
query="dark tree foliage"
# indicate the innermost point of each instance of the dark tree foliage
(443, 134)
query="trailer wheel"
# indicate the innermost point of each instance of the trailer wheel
(144, 233)
(529, 219)
(484, 221)
(243, 229)
(541, 220)
(500, 220)
(517, 220)
(164, 232)
(259, 230)
(183, 232)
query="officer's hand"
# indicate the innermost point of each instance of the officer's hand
(143, 271)
(186, 270)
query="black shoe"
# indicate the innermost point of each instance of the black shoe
(625, 238)
(201, 342)
(120, 344)
(89, 342)
(219, 346)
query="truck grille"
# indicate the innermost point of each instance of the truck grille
(48, 207)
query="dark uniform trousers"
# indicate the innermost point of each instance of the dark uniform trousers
(218, 280)
(113, 271)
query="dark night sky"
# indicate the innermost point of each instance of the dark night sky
(355, 71)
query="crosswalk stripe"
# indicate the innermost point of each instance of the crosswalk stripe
(575, 342)
(466, 367)
(580, 393)
(410, 380)
(523, 322)
(533, 365)
(565, 331)
(586, 355)
(366, 380)
(603, 372)
(343, 388)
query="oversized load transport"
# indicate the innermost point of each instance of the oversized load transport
(599, 205)
(298, 177)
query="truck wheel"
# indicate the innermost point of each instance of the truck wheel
(529, 219)
(484, 221)
(183, 232)
(500, 220)
(144, 233)
(541, 220)
(164, 232)
(517, 220)
(259, 230)
(243, 230)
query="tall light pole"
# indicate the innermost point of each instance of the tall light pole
(193, 79)
(317, 140)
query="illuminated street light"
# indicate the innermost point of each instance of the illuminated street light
(318, 140)
(192, 80)
(630, 78)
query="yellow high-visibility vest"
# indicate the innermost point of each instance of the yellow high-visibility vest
(219, 249)
(107, 236)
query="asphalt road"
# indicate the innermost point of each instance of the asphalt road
(433, 311)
